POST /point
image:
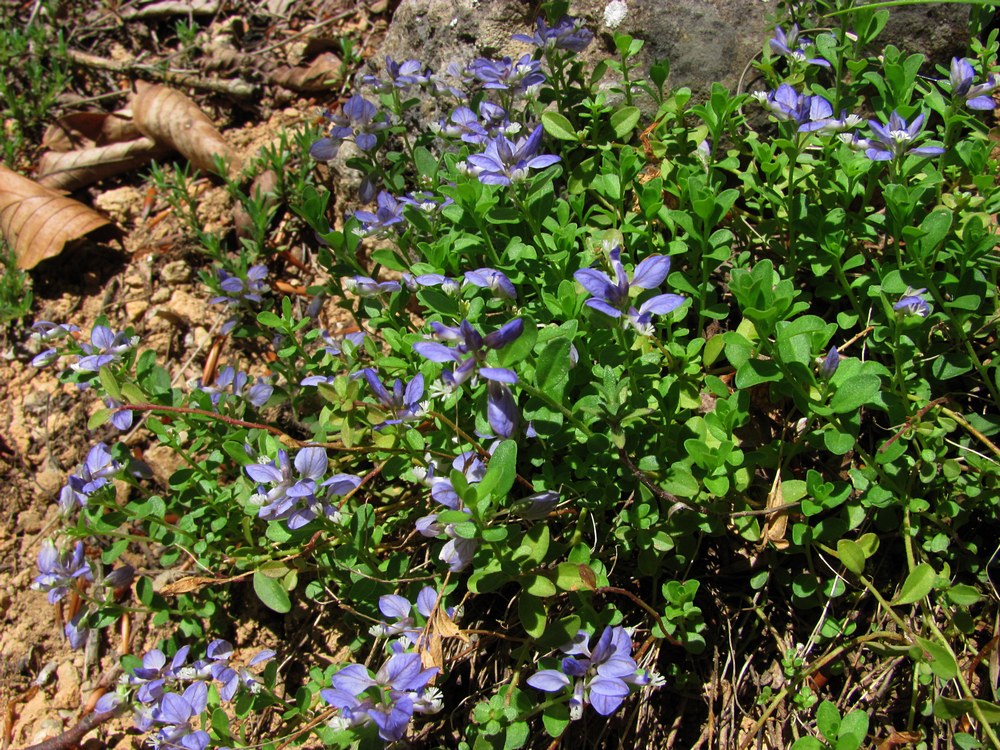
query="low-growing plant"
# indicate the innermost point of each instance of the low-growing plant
(623, 387)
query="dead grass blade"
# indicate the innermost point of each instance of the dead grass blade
(777, 524)
(71, 170)
(88, 129)
(39, 223)
(169, 117)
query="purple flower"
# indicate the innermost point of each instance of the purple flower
(105, 347)
(830, 363)
(470, 351)
(425, 202)
(401, 75)
(176, 713)
(59, 570)
(496, 281)
(230, 680)
(389, 212)
(239, 292)
(96, 471)
(335, 345)
(506, 161)
(892, 140)
(403, 402)
(448, 285)
(44, 331)
(76, 635)
(912, 303)
(401, 690)
(356, 122)
(601, 678)
(962, 76)
(567, 34)
(791, 45)
(506, 74)
(229, 378)
(121, 418)
(365, 286)
(613, 297)
(400, 610)
(299, 497)
(810, 113)
(501, 409)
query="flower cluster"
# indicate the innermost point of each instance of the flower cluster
(388, 700)
(568, 34)
(59, 570)
(359, 121)
(298, 498)
(613, 297)
(230, 380)
(97, 470)
(598, 677)
(170, 696)
(793, 46)
(240, 292)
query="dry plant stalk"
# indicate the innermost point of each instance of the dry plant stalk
(38, 223)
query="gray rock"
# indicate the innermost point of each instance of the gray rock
(704, 40)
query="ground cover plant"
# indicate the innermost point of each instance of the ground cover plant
(661, 423)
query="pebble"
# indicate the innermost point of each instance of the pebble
(175, 272)
(136, 309)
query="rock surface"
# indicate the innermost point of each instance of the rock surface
(704, 40)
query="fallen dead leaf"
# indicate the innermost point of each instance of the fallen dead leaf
(777, 523)
(169, 117)
(88, 129)
(39, 223)
(306, 79)
(71, 170)
(898, 739)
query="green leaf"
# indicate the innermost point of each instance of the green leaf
(552, 369)
(98, 418)
(573, 577)
(940, 659)
(828, 720)
(539, 585)
(953, 708)
(501, 473)
(558, 127)
(853, 730)
(807, 743)
(852, 555)
(963, 595)
(110, 384)
(555, 719)
(624, 121)
(855, 392)
(531, 612)
(271, 592)
(269, 319)
(917, 585)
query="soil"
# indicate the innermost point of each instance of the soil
(151, 284)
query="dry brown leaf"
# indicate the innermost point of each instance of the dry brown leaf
(777, 523)
(39, 223)
(88, 129)
(187, 585)
(75, 169)
(306, 79)
(169, 117)
(898, 739)
(163, 8)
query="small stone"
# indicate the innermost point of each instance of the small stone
(175, 272)
(29, 521)
(163, 461)
(67, 686)
(160, 295)
(136, 309)
(51, 481)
